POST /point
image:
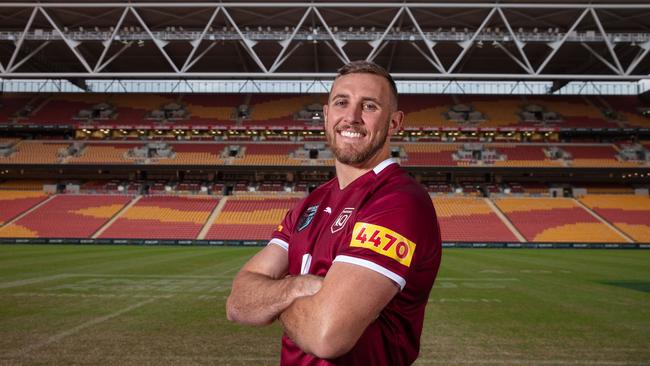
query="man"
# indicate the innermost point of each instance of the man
(349, 271)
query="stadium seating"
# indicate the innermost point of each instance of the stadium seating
(67, 216)
(250, 218)
(25, 184)
(61, 108)
(499, 111)
(629, 213)
(595, 156)
(211, 108)
(576, 111)
(268, 109)
(10, 104)
(35, 152)
(195, 154)
(15, 203)
(104, 153)
(268, 154)
(555, 220)
(523, 156)
(626, 107)
(426, 110)
(163, 217)
(132, 108)
(469, 219)
(429, 154)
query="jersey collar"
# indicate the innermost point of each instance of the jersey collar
(381, 166)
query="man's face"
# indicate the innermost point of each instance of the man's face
(359, 115)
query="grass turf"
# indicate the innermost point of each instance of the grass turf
(120, 305)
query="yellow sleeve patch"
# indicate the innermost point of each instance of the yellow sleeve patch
(383, 241)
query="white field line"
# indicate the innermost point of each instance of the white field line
(31, 281)
(106, 275)
(423, 361)
(91, 296)
(475, 279)
(77, 329)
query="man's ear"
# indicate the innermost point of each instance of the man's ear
(396, 122)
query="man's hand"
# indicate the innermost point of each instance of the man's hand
(261, 290)
(305, 285)
(330, 322)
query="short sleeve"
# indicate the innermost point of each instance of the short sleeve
(282, 233)
(389, 235)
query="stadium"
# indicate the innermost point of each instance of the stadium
(148, 149)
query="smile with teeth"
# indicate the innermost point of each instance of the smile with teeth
(351, 134)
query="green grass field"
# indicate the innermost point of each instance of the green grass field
(119, 305)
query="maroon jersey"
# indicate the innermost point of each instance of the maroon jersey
(383, 221)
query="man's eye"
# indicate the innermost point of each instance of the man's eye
(339, 102)
(370, 107)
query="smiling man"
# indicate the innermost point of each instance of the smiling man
(349, 271)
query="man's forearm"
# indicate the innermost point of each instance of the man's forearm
(257, 299)
(311, 325)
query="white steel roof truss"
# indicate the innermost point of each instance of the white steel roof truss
(435, 60)
(555, 46)
(601, 58)
(335, 51)
(337, 42)
(513, 57)
(247, 43)
(158, 42)
(195, 43)
(19, 44)
(72, 44)
(279, 60)
(643, 52)
(518, 43)
(30, 55)
(466, 45)
(377, 42)
(608, 42)
(107, 43)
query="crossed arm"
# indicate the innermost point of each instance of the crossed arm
(323, 316)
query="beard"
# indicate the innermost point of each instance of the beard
(356, 154)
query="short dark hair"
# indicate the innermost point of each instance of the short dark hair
(368, 67)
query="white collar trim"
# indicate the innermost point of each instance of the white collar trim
(383, 165)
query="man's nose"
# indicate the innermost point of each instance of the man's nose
(353, 114)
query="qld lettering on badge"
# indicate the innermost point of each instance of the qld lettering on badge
(383, 241)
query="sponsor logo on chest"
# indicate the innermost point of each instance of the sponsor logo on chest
(341, 220)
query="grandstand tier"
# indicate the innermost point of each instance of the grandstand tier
(163, 217)
(469, 219)
(629, 213)
(15, 203)
(556, 220)
(250, 218)
(67, 216)
(269, 110)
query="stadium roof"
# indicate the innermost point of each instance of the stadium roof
(415, 40)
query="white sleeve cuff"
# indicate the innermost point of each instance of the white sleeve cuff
(281, 243)
(372, 266)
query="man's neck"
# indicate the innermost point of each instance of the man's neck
(346, 174)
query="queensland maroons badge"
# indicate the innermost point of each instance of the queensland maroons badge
(340, 221)
(307, 217)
